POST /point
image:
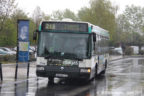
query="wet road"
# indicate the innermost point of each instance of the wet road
(124, 77)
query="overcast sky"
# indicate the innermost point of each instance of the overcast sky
(48, 6)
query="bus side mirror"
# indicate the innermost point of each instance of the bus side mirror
(94, 37)
(35, 35)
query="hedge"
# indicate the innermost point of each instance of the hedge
(12, 58)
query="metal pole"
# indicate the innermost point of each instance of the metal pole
(27, 86)
(15, 89)
(1, 72)
(17, 53)
(28, 69)
(16, 70)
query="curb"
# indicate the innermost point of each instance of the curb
(124, 57)
(116, 59)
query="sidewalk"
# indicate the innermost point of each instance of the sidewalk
(9, 73)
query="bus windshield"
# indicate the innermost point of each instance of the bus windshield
(63, 45)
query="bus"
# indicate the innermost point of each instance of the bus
(70, 49)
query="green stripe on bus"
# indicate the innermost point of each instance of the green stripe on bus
(89, 30)
(39, 27)
(59, 31)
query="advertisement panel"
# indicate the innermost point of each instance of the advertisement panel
(23, 40)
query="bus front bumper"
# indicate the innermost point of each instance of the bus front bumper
(62, 72)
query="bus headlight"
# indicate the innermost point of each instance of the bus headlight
(85, 70)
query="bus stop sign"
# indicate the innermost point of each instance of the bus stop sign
(23, 40)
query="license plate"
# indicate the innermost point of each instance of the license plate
(61, 75)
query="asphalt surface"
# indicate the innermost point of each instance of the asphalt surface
(124, 77)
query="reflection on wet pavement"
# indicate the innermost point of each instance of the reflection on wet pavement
(124, 77)
(129, 78)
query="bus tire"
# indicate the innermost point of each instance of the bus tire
(51, 80)
(96, 67)
(105, 64)
(103, 72)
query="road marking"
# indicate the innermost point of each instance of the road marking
(7, 92)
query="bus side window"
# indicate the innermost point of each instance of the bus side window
(107, 44)
(104, 45)
(100, 45)
(96, 44)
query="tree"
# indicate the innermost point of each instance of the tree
(46, 17)
(85, 14)
(37, 16)
(8, 36)
(135, 18)
(100, 13)
(6, 8)
(57, 15)
(124, 35)
(18, 14)
(69, 14)
(130, 26)
(32, 28)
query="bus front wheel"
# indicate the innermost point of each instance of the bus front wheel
(96, 70)
(103, 72)
(51, 80)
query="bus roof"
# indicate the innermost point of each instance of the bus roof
(100, 31)
(63, 21)
(95, 29)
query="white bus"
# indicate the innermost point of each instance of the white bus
(71, 50)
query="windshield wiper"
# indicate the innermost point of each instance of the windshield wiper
(61, 55)
(72, 56)
(53, 55)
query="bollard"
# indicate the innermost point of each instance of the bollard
(1, 71)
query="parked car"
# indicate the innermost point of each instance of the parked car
(116, 51)
(31, 49)
(8, 50)
(2, 52)
(15, 48)
(119, 50)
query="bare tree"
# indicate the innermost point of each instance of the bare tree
(6, 8)
(37, 16)
(57, 15)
